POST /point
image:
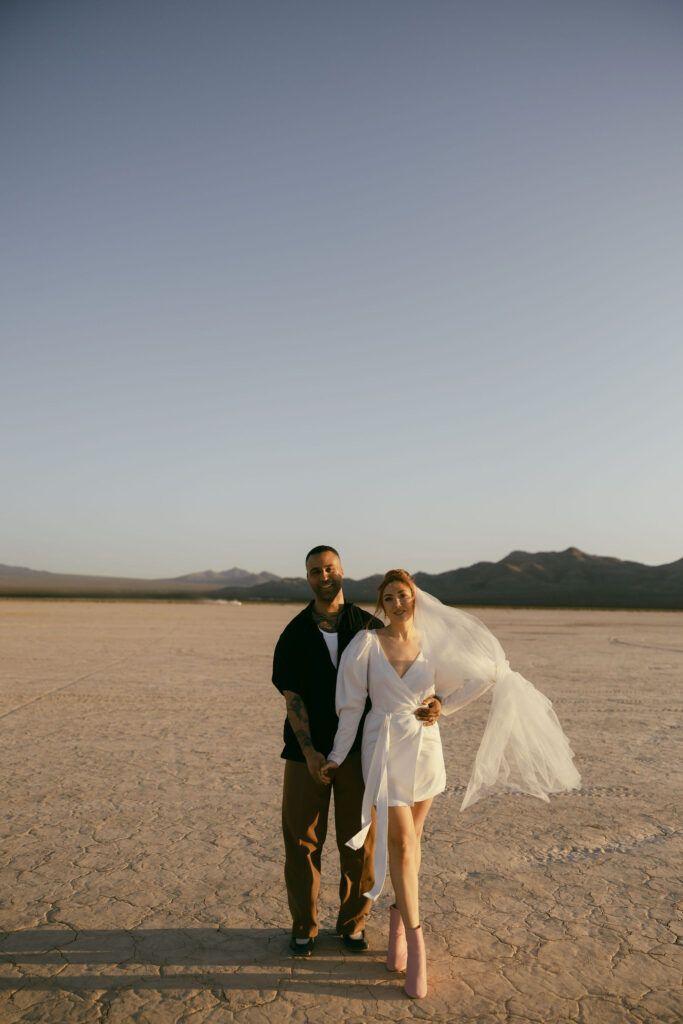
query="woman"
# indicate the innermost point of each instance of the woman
(429, 658)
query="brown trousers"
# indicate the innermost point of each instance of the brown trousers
(305, 808)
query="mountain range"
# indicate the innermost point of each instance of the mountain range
(568, 578)
(229, 577)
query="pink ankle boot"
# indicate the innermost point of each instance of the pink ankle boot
(397, 953)
(416, 971)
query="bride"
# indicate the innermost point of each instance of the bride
(430, 659)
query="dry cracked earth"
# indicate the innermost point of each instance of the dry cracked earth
(141, 859)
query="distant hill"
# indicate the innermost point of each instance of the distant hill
(568, 578)
(239, 577)
(21, 570)
(18, 581)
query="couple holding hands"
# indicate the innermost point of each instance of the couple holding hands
(364, 693)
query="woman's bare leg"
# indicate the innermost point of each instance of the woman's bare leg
(419, 811)
(403, 864)
(405, 830)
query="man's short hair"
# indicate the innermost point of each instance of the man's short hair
(318, 550)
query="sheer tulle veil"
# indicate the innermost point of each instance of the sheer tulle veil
(523, 749)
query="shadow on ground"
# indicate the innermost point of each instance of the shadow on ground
(184, 959)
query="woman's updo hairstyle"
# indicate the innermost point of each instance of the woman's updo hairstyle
(393, 576)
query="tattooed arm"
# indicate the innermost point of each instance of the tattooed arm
(298, 719)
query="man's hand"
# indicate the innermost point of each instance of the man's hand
(429, 710)
(315, 763)
(327, 772)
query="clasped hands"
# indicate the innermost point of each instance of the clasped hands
(323, 771)
(429, 710)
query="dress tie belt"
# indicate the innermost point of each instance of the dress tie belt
(377, 794)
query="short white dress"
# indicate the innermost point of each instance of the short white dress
(402, 758)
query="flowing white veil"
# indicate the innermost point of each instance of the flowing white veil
(523, 749)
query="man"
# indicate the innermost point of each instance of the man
(305, 672)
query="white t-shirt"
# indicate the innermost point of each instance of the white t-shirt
(332, 641)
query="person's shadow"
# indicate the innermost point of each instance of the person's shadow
(184, 959)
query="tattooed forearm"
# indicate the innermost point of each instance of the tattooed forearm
(304, 740)
(298, 719)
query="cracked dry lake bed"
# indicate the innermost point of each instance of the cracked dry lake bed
(141, 857)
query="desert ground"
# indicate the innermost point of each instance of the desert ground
(141, 858)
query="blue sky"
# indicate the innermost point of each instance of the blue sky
(401, 277)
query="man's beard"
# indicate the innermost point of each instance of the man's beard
(329, 592)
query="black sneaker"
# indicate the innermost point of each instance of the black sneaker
(355, 945)
(301, 948)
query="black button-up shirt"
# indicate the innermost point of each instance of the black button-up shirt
(302, 664)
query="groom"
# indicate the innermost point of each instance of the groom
(305, 672)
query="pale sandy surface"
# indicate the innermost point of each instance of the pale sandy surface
(141, 860)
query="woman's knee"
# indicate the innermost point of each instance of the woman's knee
(401, 843)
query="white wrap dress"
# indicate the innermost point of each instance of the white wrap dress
(402, 758)
(523, 748)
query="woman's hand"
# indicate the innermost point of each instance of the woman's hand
(327, 772)
(429, 710)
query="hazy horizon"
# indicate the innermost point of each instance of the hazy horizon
(401, 278)
(301, 572)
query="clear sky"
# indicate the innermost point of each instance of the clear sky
(403, 277)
